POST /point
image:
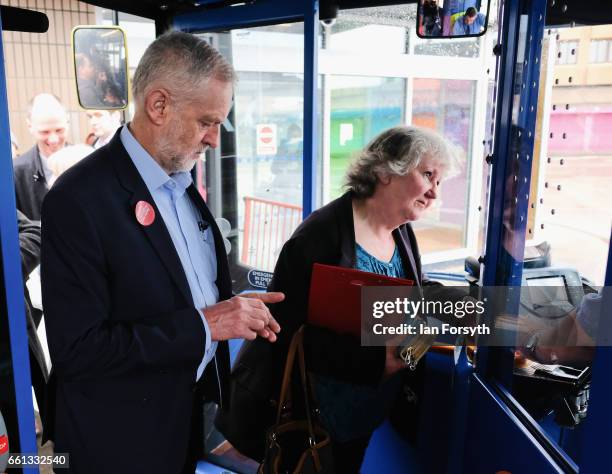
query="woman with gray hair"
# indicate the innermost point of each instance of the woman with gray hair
(390, 184)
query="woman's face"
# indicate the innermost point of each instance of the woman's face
(414, 192)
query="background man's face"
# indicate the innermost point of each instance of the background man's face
(469, 20)
(102, 122)
(49, 129)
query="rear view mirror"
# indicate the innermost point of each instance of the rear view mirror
(452, 18)
(100, 67)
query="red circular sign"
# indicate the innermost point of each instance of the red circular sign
(145, 214)
(266, 135)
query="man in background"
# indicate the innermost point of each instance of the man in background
(104, 124)
(470, 23)
(48, 123)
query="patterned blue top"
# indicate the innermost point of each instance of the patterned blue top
(351, 411)
(368, 263)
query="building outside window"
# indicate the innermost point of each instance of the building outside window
(567, 52)
(601, 51)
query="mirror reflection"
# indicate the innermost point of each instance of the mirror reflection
(452, 18)
(100, 65)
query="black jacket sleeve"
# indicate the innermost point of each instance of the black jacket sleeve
(29, 243)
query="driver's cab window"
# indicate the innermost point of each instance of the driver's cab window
(568, 232)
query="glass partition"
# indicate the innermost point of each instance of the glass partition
(447, 106)
(435, 84)
(446, 90)
(254, 179)
(568, 232)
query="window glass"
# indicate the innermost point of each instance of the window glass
(269, 140)
(567, 52)
(255, 180)
(371, 30)
(568, 234)
(439, 84)
(447, 106)
(600, 51)
(460, 47)
(573, 208)
(139, 33)
(361, 108)
(436, 87)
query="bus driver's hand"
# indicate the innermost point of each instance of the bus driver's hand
(244, 316)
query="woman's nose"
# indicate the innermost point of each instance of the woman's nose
(432, 193)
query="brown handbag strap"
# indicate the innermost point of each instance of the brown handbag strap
(296, 346)
(286, 377)
(305, 382)
(306, 386)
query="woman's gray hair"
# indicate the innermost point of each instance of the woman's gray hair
(180, 62)
(398, 151)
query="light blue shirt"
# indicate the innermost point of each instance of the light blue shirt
(195, 248)
(461, 28)
(589, 312)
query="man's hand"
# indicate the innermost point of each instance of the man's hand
(244, 316)
(272, 327)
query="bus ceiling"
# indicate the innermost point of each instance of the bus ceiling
(559, 12)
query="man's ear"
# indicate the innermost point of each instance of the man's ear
(29, 124)
(156, 105)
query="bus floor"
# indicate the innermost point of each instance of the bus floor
(387, 453)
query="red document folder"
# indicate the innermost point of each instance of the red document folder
(335, 296)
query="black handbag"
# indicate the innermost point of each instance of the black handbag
(297, 446)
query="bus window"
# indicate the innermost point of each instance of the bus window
(361, 107)
(254, 179)
(438, 84)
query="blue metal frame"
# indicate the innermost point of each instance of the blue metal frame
(260, 13)
(267, 12)
(500, 440)
(311, 64)
(511, 173)
(463, 370)
(506, 234)
(13, 281)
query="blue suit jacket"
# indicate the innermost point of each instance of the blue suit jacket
(124, 336)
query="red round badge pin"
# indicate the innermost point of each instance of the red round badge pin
(145, 214)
